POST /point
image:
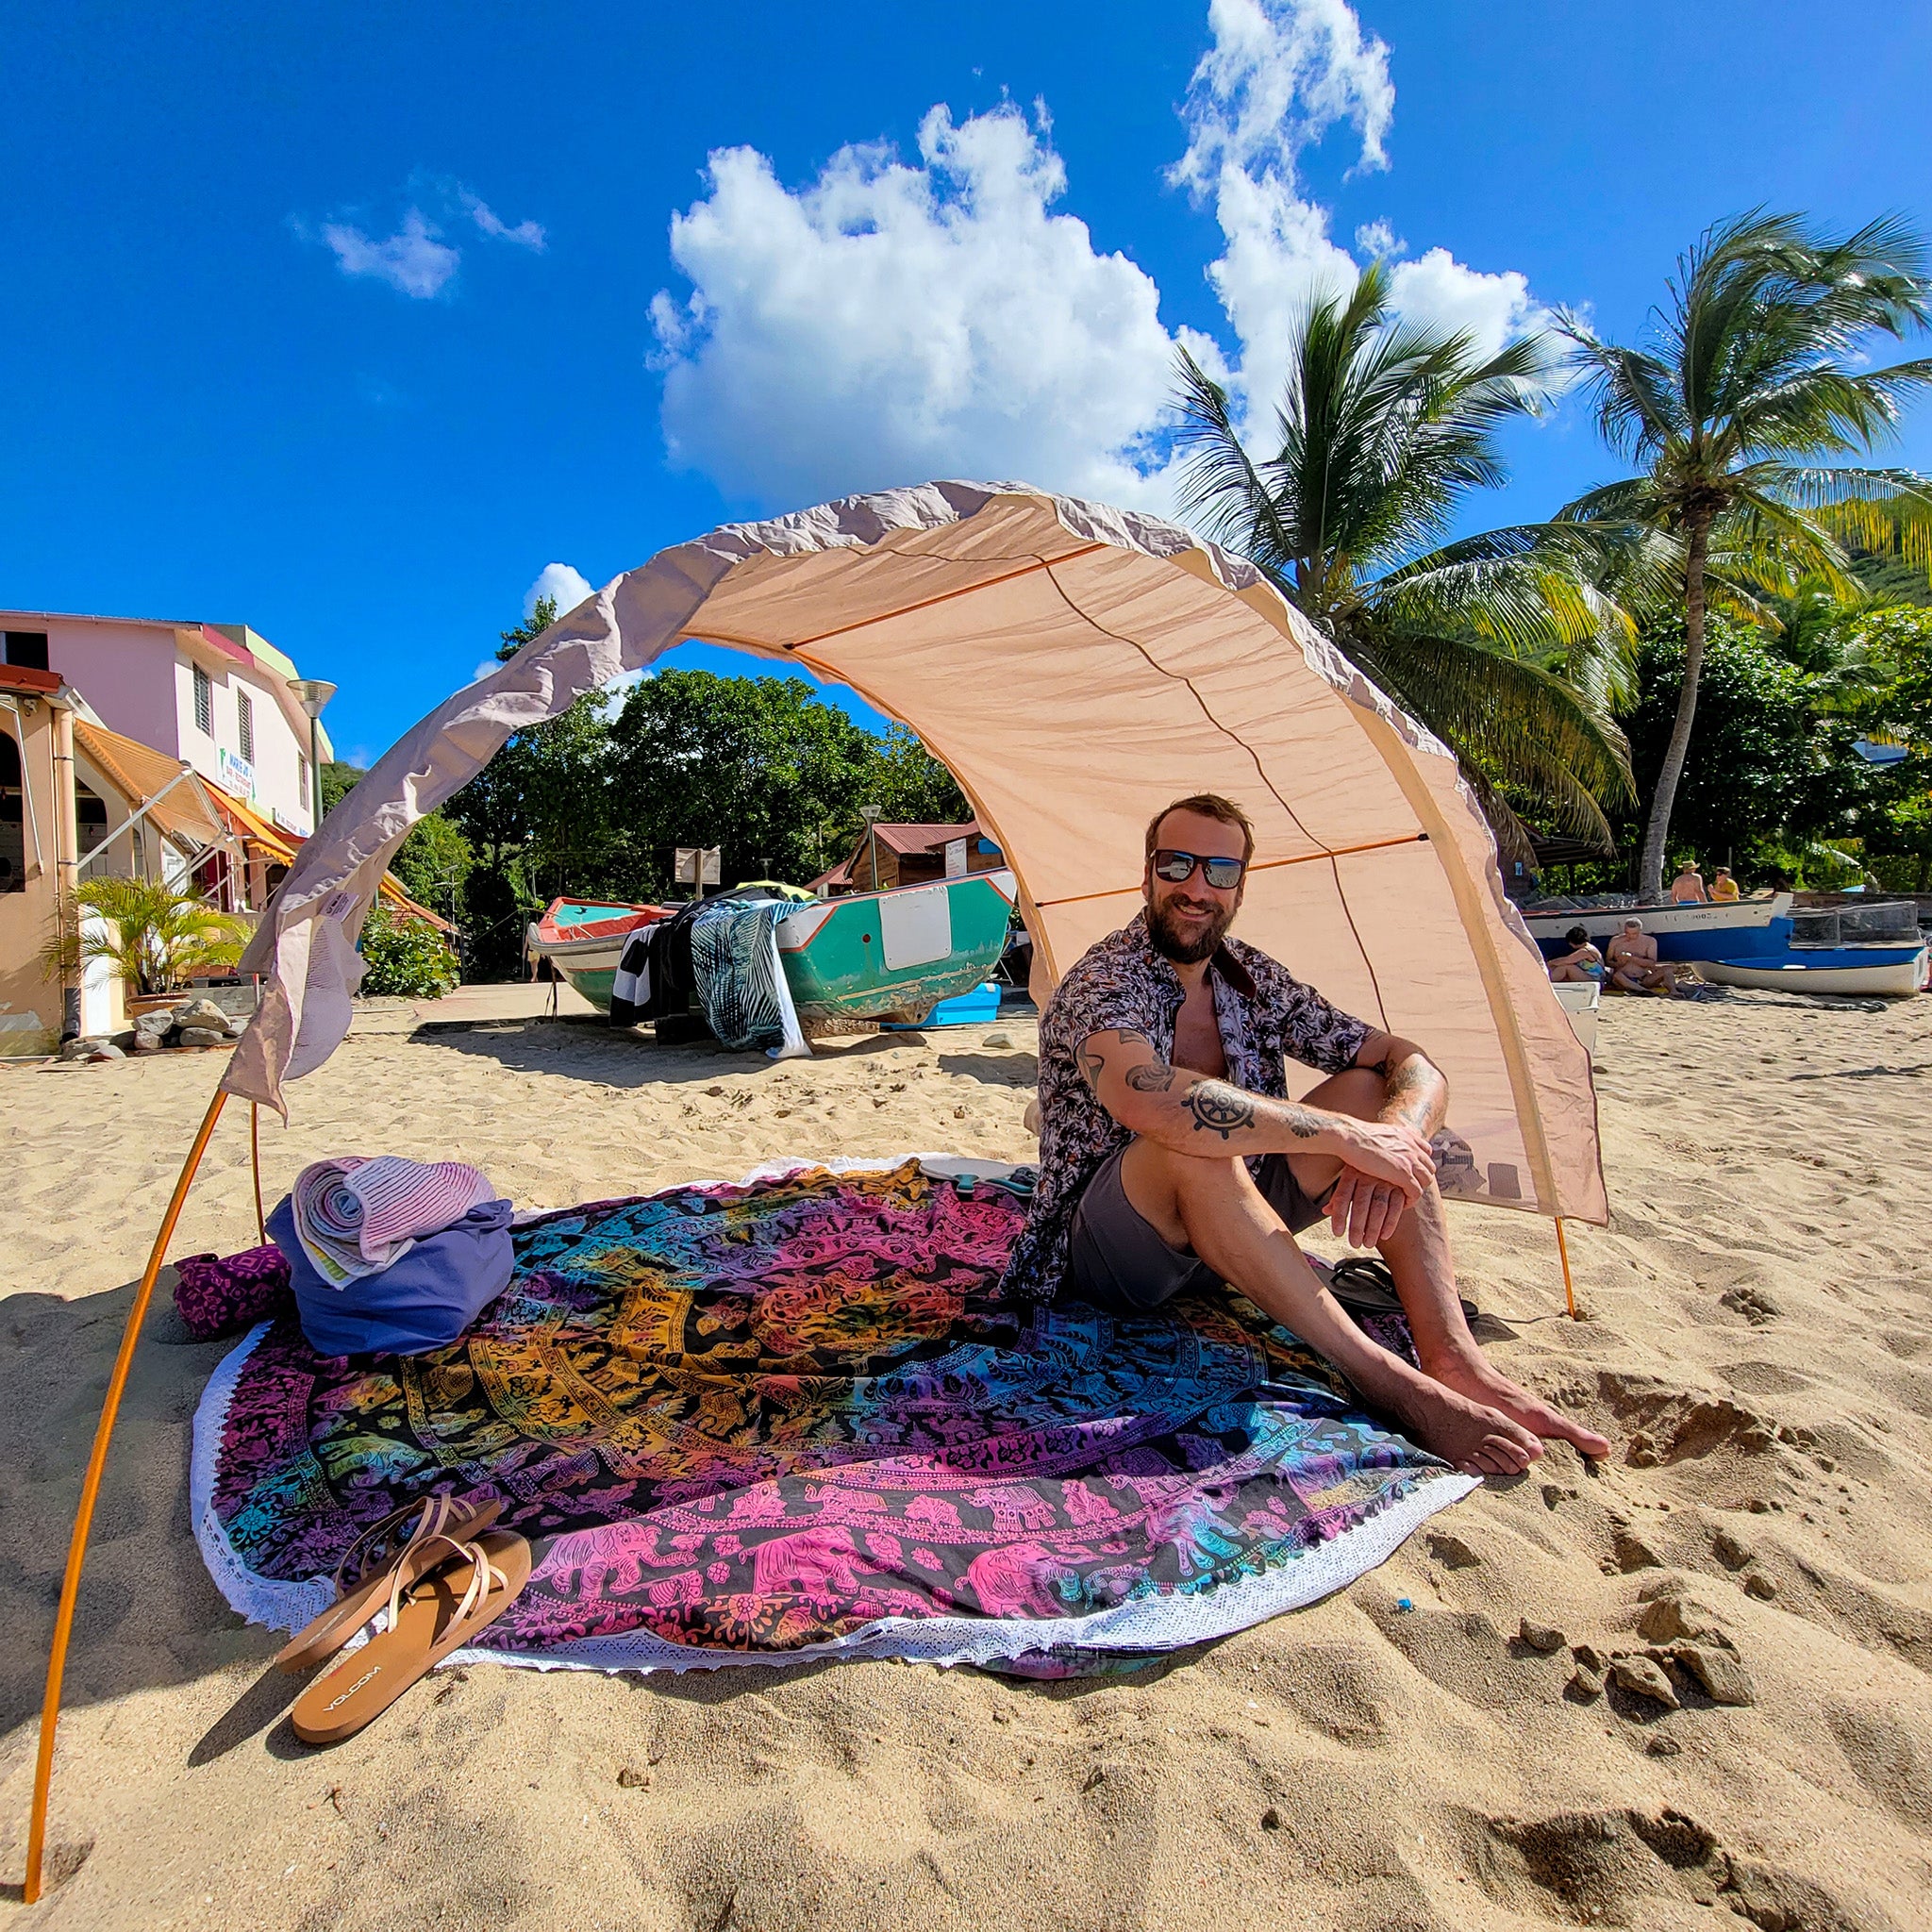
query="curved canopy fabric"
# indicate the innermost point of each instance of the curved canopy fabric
(1076, 667)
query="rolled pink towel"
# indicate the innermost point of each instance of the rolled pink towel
(358, 1214)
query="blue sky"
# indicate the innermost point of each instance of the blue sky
(345, 322)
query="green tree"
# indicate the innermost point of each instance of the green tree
(154, 935)
(1734, 409)
(431, 863)
(910, 785)
(759, 766)
(1771, 772)
(1510, 646)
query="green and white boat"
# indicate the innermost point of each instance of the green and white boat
(873, 956)
(896, 955)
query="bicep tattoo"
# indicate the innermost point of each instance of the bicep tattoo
(1093, 1065)
(1156, 1079)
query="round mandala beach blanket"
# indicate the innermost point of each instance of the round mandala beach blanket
(793, 1418)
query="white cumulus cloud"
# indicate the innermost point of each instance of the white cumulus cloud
(524, 234)
(890, 322)
(560, 581)
(896, 319)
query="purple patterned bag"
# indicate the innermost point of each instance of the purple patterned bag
(216, 1294)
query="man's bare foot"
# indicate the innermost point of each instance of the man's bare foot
(1475, 1378)
(1475, 1438)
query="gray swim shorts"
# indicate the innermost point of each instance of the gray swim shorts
(1118, 1262)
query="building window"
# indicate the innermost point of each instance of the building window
(244, 717)
(204, 702)
(28, 649)
(302, 800)
(13, 819)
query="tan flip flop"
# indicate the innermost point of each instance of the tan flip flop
(400, 1546)
(438, 1614)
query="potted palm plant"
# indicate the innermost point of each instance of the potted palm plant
(156, 936)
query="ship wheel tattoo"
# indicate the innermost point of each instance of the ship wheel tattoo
(1220, 1109)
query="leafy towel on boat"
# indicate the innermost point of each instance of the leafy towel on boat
(793, 1418)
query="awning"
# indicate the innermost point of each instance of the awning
(142, 774)
(256, 830)
(1077, 668)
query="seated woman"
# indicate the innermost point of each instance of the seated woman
(1582, 961)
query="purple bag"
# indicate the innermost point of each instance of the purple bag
(424, 1301)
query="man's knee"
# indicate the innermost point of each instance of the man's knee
(1358, 1090)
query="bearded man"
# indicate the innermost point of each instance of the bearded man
(1171, 1156)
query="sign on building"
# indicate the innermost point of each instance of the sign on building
(956, 859)
(235, 775)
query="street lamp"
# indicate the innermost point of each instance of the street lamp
(872, 814)
(312, 693)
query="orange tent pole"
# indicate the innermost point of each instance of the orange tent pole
(255, 1162)
(1563, 1255)
(90, 1491)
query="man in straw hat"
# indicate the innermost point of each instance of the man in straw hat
(1171, 1156)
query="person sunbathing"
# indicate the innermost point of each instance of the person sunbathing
(1687, 889)
(1171, 1158)
(1634, 964)
(1582, 961)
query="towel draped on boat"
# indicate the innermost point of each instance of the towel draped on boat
(723, 954)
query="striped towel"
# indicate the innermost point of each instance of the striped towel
(356, 1215)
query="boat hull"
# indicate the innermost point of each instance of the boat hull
(896, 955)
(584, 938)
(877, 955)
(1868, 971)
(1747, 929)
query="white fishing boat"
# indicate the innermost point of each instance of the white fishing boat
(1867, 972)
(1742, 929)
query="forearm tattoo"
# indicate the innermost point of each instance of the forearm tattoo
(1408, 1093)
(1219, 1109)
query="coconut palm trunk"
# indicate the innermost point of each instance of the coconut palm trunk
(1663, 801)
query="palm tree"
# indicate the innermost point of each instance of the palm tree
(156, 937)
(1748, 381)
(1510, 646)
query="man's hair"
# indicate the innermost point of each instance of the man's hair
(1210, 804)
(1633, 921)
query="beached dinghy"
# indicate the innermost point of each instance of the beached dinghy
(1881, 971)
(877, 955)
(584, 939)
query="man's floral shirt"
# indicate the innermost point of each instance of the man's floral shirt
(1265, 1015)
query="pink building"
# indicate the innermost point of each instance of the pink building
(215, 696)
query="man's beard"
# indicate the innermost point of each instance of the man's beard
(1185, 950)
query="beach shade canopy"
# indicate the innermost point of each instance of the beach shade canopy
(1076, 667)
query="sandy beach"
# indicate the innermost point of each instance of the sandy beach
(1759, 1343)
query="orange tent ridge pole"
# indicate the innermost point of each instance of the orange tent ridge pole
(1563, 1255)
(89, 1493)
(255, 1163)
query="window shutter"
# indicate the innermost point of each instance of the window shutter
(204, 702)
(244, 716)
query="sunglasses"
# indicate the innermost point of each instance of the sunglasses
(1176, 868)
